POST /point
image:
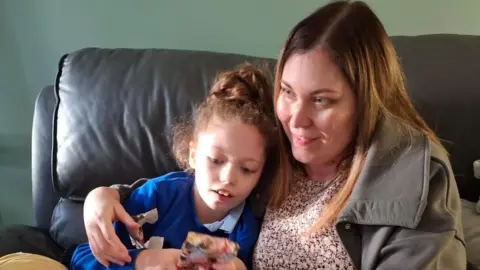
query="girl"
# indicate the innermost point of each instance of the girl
(224, 152)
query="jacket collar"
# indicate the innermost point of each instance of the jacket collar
(392, 187)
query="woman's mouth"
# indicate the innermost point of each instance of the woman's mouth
(302, 140)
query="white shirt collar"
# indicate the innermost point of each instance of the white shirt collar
(229, 222)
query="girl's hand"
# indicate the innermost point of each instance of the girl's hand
(233, 264)
(102, 207)
(157, 259)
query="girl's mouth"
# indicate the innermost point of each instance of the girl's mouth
(223, 193)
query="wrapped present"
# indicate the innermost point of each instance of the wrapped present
(148, 217)
(204, 250)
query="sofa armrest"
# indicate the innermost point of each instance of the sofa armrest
(476, 169)
(28, 239)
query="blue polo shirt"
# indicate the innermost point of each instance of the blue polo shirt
(172, 195)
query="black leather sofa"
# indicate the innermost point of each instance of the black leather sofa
(107, 119)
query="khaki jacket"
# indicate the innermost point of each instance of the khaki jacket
(405, 210)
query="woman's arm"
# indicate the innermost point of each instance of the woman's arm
(124, 191)
(102, 207)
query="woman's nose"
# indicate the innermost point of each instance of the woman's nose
(300, 117)
(227, 175)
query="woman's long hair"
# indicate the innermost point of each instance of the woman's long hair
(357, 42)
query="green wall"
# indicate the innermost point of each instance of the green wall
(35, 33)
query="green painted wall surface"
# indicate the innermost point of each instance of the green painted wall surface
(34, 34)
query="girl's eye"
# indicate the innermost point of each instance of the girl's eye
(215, 161)
(247, 170)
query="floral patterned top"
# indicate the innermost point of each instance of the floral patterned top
(282, 243)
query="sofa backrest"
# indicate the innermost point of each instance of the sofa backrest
(443, 80)
(113, 110)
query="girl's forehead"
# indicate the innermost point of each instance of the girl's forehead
(233, 138)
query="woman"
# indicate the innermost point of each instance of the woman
(363, 182)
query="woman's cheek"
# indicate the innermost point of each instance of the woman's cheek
(336, 127)
(282, 110)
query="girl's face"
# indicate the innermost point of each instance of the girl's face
(228, 158)
(317, 108)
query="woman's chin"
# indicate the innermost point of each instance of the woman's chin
(303, 156)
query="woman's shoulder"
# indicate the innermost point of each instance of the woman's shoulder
(394, 143)
(402, 173)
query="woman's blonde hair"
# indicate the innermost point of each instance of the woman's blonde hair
(358, 44)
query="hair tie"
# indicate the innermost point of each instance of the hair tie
(249, 87)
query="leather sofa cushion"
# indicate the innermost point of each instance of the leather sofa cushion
(67, 228)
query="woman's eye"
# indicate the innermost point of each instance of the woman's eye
(287, 91)
(320, 100)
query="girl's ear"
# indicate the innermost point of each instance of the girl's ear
(191, 155)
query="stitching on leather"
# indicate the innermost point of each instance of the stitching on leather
(53, 154)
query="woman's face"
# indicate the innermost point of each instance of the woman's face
(316, 107)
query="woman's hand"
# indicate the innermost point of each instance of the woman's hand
(157, 259)
(102, 207)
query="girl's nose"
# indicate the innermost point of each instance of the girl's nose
(227, 175)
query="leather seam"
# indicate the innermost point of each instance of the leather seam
(54, 148)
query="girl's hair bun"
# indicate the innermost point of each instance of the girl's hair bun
(246, 85)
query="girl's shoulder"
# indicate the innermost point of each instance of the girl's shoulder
(177, 180)
(176, 176)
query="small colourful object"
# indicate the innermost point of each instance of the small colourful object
(204, 250)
